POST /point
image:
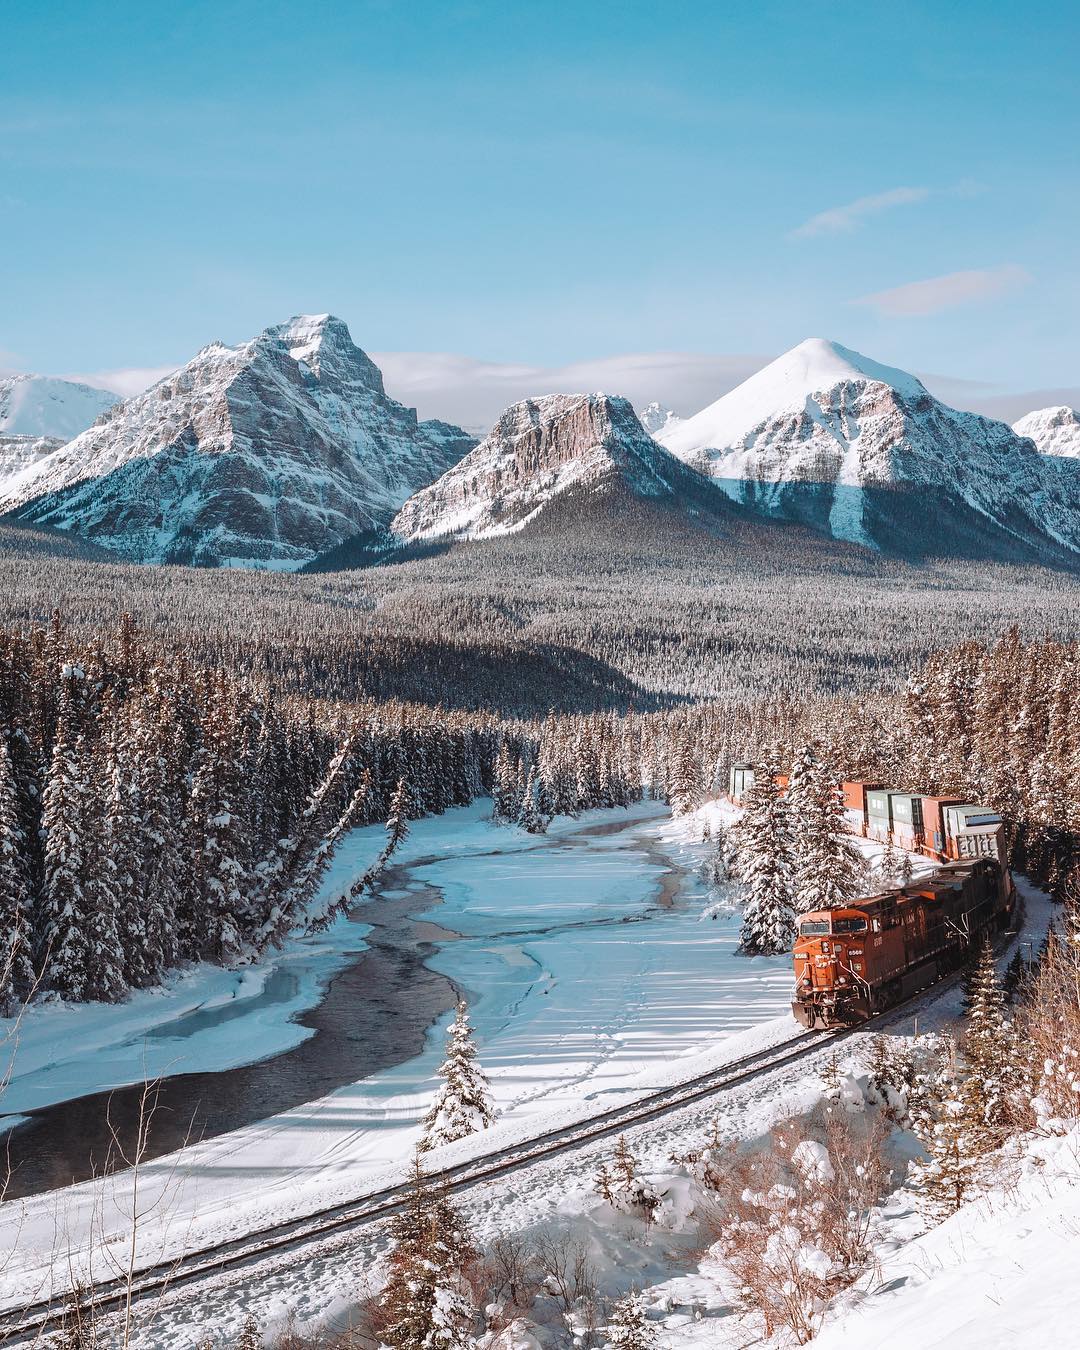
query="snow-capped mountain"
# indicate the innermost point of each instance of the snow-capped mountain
(863, 452)
(40, 405)
(262, 454)
(38, 413)
(656, 417)
(538, 450)
(20, 456)
(1055, 431)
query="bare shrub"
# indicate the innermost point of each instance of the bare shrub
(793, 1223)
(509, 1275)
(570, 1279)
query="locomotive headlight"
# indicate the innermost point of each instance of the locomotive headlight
(842, 980)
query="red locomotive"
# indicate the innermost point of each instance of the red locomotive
(853, 962)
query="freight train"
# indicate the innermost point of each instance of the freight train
(855, 961)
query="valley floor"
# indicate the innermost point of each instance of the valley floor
(591, 976)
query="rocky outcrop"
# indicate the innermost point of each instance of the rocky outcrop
(538, 450)
(20, 455)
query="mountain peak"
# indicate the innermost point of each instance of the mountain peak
(658, 417)
(1055, 431)
(862, 451)
(265, 453)
(537, 450)
(44, 405)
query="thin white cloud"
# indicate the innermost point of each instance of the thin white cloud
(473, 393)
(844, 219)
(126, 382)
(919, 298)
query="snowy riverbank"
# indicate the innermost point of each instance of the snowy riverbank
(582, 985)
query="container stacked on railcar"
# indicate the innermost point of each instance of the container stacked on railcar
(943, 828)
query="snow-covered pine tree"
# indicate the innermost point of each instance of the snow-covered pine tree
(684, 784)
(155, 806)
(763, 852)
(629, 1327)
(623, 1163)
(463, 1104)
(990, 1052)
(536, 807)
(888, 865)
(16, 965)
(425, 1305)
(829, 870)
(941, 1120)
(506, 802)
(64, 930)
(105, 831)
(401, 811)
(250, 1336)
(225, 883)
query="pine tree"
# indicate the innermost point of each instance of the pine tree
(624, 1165)
(888, 865)
(397, 821)
(16, 937)
(463, 1104)
(116, 942)
(762, 842)
(535, 812)
(990, 1053)
(62, 817)
(684, 786)
(629, 1327)
(506, 806)
(942, 1122)
(424, 1305)
(250, 1336)
(829, 870)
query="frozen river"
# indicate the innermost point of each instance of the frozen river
(583, 954)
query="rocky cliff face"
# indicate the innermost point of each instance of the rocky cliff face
(1055, 431)
(538, 450)
(260, 455)
(864, 452)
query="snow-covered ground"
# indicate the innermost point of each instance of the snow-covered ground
(585, 989)
(585, 993)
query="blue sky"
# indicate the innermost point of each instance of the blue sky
(545, 184)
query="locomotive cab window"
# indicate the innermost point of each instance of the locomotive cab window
(815, 929)
(849, 926)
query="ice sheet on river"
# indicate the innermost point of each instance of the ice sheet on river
(581, 987)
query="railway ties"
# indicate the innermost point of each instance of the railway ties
(28, 1323)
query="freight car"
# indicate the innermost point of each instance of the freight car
(941, 828)
(855, 961)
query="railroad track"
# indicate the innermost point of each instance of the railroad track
(29, 1323)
